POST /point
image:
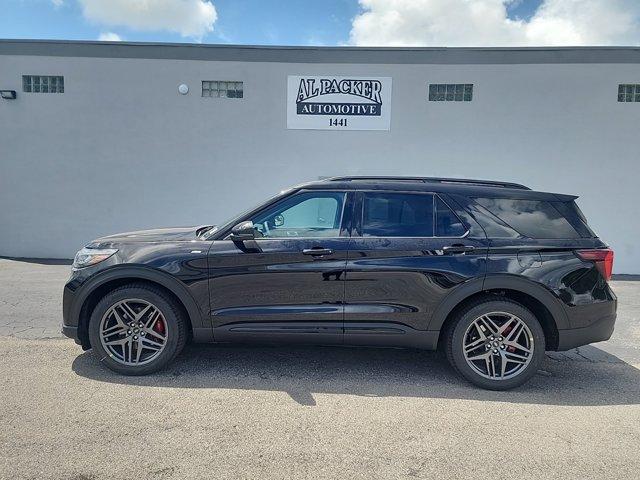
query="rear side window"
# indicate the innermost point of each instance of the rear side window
(408, 215)
(531, 218)
(447, 223)
(397, 215)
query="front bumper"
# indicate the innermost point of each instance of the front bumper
(71, 311)
(69, 320)
(71, 332)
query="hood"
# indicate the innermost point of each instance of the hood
(177, 234)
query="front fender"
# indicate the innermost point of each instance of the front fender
(75, 298)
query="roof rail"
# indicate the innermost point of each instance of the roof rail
(455, 181)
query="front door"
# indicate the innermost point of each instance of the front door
(288, 283)
(408, 251)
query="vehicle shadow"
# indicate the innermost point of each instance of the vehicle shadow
(588, 378)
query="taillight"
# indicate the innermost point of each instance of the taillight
(602, 257)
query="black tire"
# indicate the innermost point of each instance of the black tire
(454, 342)
(176, 328)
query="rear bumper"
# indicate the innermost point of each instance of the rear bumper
(597, 331)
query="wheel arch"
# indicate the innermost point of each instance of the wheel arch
(104, 282)
(534, 296)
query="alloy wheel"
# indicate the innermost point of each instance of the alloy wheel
(498, 345)
(133, 332)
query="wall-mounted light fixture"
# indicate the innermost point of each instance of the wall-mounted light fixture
(8, 94)
(183, 89)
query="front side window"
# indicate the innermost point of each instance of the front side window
(305, 215)
(397, 215)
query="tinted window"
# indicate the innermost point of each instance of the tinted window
(311, 214)
(397, 215)
(574, 215)
(531, 218)
(492, 225)
(447, 222)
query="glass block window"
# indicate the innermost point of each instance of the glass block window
(629, 92)
(450, 92)
(222, 89)
(42, 84)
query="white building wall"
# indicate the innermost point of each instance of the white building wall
(121, 149)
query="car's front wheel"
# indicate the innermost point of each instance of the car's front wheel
(496, 344)
(137, 329)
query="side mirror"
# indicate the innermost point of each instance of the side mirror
(243, 231)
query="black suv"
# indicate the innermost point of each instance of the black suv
(491, 272)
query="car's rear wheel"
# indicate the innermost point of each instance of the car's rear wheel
(496, 344)
(137, 329)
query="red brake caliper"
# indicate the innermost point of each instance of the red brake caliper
(159, 326)
(505, 333)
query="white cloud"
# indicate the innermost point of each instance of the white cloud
(57, 3)
(485, 23)
(109, 37)
(189, 18)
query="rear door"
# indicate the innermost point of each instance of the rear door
(408, 251)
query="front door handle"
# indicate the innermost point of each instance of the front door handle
(317, 251)
(457, 248)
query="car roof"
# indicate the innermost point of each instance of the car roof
(466, 187)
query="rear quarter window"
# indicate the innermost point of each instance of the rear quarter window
(574, 215)
(531, 218)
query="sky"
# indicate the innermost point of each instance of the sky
(329, 22)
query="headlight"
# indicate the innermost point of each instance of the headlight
(91, 256)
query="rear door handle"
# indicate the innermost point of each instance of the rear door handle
(317, 251)
(457, 248)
